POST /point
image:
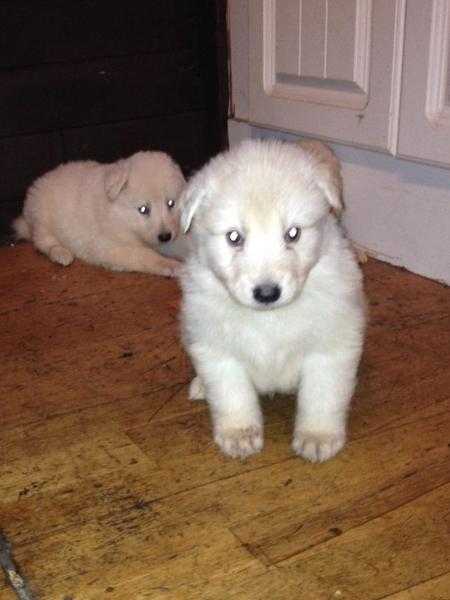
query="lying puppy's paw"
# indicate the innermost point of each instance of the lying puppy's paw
(171, 268)
(240, 443)
(61, 255)
(316, 446)
(196, 389)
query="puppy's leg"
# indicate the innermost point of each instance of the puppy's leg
(235, 411)
(49, 245)
(327, 386)
(137, 258)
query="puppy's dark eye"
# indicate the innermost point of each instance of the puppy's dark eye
(292, 234)
(234, 238)
(170, 204)
(144, 210)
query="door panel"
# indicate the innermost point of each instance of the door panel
(424, 131)
(323, 67)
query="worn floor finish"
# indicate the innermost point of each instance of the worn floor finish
(110, 487)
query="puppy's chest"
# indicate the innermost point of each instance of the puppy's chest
(272, 356)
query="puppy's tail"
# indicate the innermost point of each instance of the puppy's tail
(21, 228)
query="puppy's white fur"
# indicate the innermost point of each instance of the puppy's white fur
(91, 211)
(307, 341)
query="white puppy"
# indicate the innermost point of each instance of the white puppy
(272, 294)
(116, 215)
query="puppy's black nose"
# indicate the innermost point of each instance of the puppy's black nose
(164, 236)
(266, 293)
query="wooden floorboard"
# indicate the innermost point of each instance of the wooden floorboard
(111, 487)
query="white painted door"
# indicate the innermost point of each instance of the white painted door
(424, 129)
(324, 68)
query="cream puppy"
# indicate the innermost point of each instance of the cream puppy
(272, 294)
(117, 215)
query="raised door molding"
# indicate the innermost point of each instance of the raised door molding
(424, 125)
(437, 107)
(306, 66)
(325, 68)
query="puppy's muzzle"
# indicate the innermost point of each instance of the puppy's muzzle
(267, 293)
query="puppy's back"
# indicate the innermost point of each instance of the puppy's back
(56, 191)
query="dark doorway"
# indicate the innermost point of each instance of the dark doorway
(101, 80)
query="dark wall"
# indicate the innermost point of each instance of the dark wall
(100, 80)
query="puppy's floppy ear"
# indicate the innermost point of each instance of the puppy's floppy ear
(328, 172)
(191, 198)
(116, 177)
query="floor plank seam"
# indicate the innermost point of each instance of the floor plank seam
(227, 478)
(163, 404)
(385, 429)
(425, 581)
(259, 556)
(78, 411)
(280, 561)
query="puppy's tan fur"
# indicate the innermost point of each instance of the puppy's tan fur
(93, 211)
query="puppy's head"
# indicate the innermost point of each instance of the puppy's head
(257, 215)
(144, 191)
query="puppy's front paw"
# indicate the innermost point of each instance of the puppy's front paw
(316, 446)
(171, 268)
(196, 389)
(240, 443)
(61, 255)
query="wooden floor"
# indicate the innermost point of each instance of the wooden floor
(110, 486)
